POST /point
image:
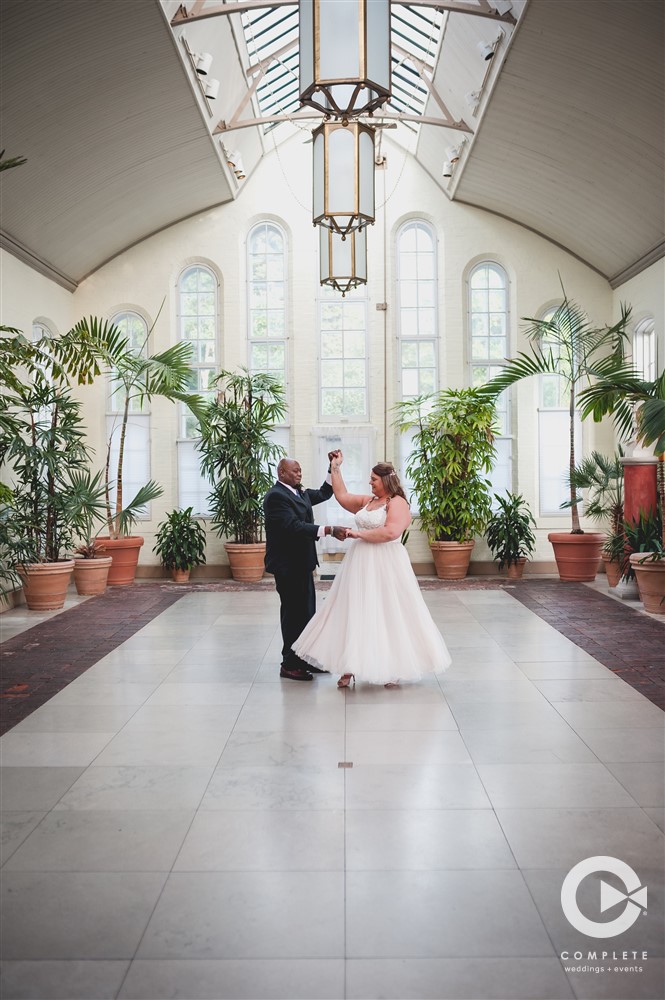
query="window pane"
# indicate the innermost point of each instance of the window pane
(409, 322)
(259, 357)
(409, 355)
(354, 345)
(426, 380)
(331, 345)
(426, 355)
(258, 324)
(410, 386)
(354, 402)
(408, 294)
(332, 373)
(480, 347)
(354, 373)
(332, 402)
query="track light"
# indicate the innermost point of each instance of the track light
(454, 153)
(211, 88)
(473, 99)
(486, 49)
(203, 63)
(447, 169)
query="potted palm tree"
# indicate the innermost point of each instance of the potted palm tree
(509, 533)
(453, 435)
(569, 346)
(136, 379)
(602, 479)
(238, 457)
(42, 445)
(638, 407)
(180, 544)
(91, 564)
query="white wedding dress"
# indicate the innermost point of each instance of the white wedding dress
(374, 622)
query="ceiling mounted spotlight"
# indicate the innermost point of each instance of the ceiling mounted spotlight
(211, 89)
(447, 169)
(486, 49)
(203, 63)
(473, 99)
(454, 153)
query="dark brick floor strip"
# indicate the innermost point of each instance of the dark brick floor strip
(625, 641)
(38, 663)
(42, 660)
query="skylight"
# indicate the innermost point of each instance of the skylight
(416, 30)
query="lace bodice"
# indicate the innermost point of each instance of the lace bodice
(366, 519)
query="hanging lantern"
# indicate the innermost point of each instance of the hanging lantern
(344, 56)
(343, 262)
(343, 176)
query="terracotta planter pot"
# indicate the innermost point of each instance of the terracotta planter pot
(180, 575)
(246, 561)
(516, 569)
(577, 556)
(125, 555)
(451, 559)
(45, 584)
(91, 575)
(612, 570)
(650, 578)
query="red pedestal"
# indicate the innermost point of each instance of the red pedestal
(639, 487)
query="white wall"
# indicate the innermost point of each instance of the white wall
(280, 189)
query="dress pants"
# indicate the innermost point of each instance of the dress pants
(298, 604)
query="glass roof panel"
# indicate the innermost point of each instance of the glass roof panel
(416, 30)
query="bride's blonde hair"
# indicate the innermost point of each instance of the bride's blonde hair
(390, 479)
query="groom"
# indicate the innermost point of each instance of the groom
(291, 555)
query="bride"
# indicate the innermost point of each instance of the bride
(374, 625)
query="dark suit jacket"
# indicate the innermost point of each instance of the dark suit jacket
(290, 530)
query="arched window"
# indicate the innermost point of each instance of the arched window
(266, 283)
(198, 325)
(489, 337)
(136, 462)
(644, 349)
(417, 309)
(417, 320)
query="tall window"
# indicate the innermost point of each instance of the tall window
(417, 294)
(554, 435)
(266, 289)
(136, 461)
(198, 325)
(644, 349)
(417, 298)
(266, 269)
(197, 312)
(489, 346)
(343, 362)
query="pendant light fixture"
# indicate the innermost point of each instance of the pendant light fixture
(345, 65)
(343, 262)
(343, 198)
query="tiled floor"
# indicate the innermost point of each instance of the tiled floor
(177, 825)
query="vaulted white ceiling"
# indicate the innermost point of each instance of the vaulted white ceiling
(565, 138)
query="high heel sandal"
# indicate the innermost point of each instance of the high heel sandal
(345, 680)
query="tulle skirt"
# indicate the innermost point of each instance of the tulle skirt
(374, 622)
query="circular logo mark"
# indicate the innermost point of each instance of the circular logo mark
(635, 897)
